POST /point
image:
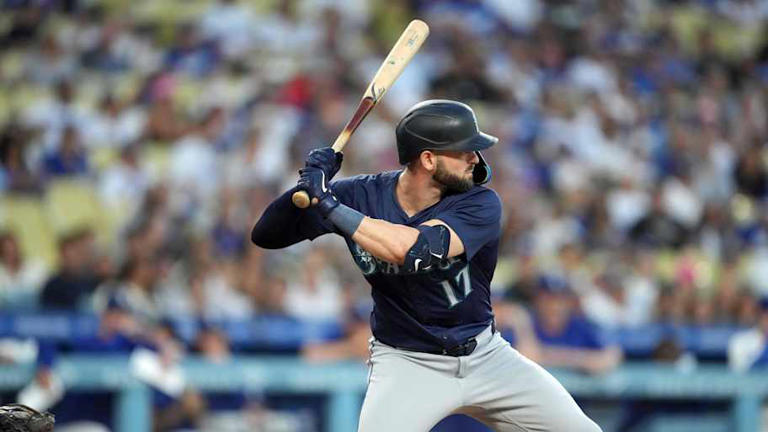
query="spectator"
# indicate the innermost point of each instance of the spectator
(75, 280)
(353, 345)
(175, 404)
(70, 159)
(52, 117)
(566, 338)
(190, 54)
(616, 301)
(226, 409)
(123, 185)
(233, 26)
(750, 173)
(16, 172)
(134, 289)
(120, 331)
(658, 229)
(315, 294)
(114, 125)
(747, 350)
(21, 279)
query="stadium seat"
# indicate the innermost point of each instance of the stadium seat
(25, 216)
(73, 204)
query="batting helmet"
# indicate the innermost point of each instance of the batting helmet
(443, 125)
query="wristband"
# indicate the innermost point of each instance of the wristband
(346, 219)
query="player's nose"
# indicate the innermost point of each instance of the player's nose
(473, 158)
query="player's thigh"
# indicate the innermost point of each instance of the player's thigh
(512, 393)
(406, 396)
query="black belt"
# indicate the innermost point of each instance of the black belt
(464, 349)
(460, 350)
(457, 351)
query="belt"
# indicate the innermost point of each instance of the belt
(459, 350)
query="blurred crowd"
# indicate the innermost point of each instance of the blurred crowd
(139, 141)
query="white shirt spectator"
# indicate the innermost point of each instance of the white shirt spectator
(641, 295)
(105, 130)
(122, 187)
(53, 117)
(571, 175)
(635, 309)
(232, 24)
(744, 348)
(323, 302)
(264, 158)
(591, 74)
(551, 233)
(626, 206)
(288, 37)
(20, 289)
(223, 301)
(681, 202)
(522, 15)
(713, 179)
(315, 294)
(193, 168)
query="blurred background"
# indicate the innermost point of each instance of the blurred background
(141, 139)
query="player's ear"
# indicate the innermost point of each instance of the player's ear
(428, 160)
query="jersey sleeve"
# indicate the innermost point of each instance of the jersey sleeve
(312, 225)
(476, 219)
(344, 189)
(316, 225)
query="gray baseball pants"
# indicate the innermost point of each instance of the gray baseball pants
(412, 391)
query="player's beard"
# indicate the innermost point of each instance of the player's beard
(449, 182)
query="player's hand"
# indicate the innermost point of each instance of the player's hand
(313, 181)
(326, 159)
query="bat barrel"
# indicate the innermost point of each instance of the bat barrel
(404, 49)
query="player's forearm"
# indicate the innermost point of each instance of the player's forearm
(278, 226)
(385, 240)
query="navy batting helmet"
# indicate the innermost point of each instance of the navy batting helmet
(443, 125)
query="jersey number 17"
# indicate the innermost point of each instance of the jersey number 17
(457, 288)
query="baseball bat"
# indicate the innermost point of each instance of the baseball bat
(402, 52)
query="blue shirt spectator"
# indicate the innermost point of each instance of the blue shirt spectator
(566, 338)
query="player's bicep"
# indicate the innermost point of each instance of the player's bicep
(455, 247)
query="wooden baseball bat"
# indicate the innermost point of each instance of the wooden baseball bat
(402, 52)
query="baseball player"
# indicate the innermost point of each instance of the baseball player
(426, 238)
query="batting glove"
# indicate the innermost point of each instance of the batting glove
(314, 182)
(326, 159)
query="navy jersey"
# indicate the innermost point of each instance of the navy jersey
(444, 305)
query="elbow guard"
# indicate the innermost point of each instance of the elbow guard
(431, 246)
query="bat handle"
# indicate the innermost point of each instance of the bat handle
(300, 199)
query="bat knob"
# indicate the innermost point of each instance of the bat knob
(300, 199)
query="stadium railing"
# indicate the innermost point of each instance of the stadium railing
(345, 382)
